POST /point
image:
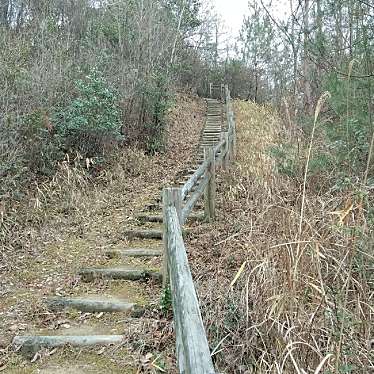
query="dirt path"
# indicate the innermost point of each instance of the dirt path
(72, 225)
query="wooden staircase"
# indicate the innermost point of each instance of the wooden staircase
(139, 243)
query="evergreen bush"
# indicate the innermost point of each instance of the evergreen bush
(92, 121)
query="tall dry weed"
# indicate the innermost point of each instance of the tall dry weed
(299, 305)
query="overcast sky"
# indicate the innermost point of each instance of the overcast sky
(233, 11)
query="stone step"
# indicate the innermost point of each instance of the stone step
(91, 305)
(88, 275)
(134, 252)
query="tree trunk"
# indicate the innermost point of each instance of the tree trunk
(306, 62)
(4, 9)
(294, 52)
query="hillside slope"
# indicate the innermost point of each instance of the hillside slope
(71, 223)
(274, 299)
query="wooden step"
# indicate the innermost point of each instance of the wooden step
(88, 275)
(143, 234)
(86, 304)
(29, 345)
(148, 234)
(134, 252)
(153, 206)
(144, 217)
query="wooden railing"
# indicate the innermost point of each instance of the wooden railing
(217, 91)
(192, 346)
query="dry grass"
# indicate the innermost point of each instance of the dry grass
(301, 303)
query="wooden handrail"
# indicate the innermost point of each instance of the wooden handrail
(190, 203)
(189, 185)
(219, 146)
(192, 345)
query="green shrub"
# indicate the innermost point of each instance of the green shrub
(92, 121)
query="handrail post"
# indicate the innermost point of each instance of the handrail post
(210, 89)
(210, 191)
(230, 122)
(226, 157)
(233, 134)
(170, 197)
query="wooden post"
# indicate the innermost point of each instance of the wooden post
(210, 90)
(229, 149)
(210, 191)
(231, 123)
(226, 158)
(233, 134)
(228, 115)
(219, 162)
(170, 197)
